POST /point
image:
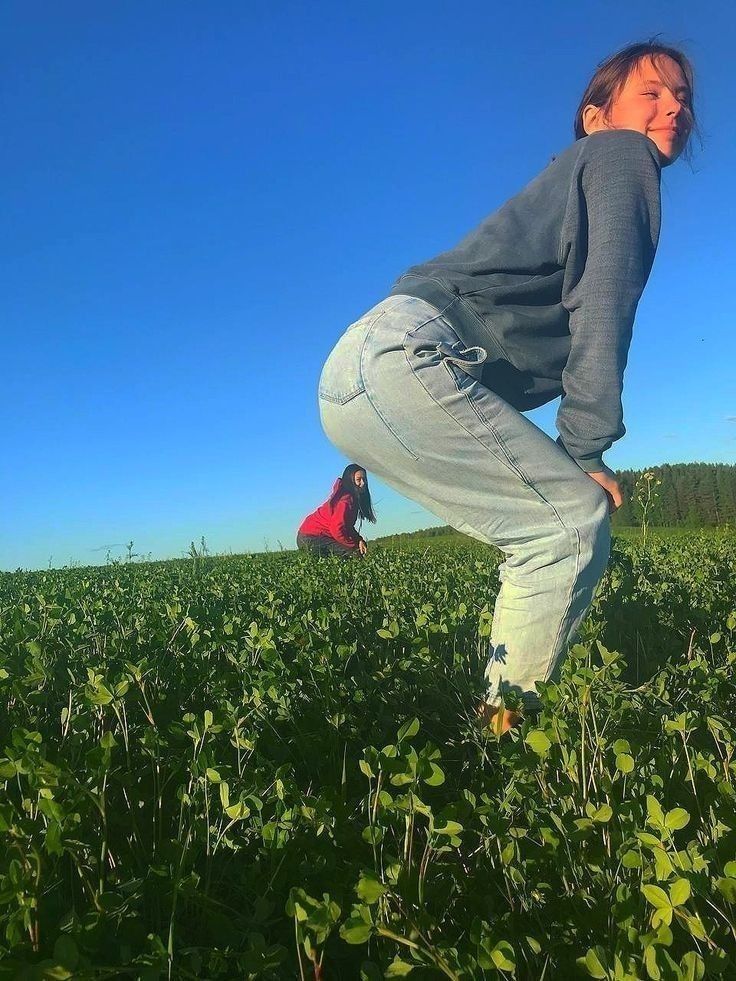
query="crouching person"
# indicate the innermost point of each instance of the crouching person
(330, 530)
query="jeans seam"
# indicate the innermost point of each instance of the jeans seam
(371, 401)
(439, 405)
(342, 400)
(502, 446)
(459, 298)
(429, 320)
(516, 469)
(510, 459)
(504, 455)
(513, 462)
(487, 289)
(568, 604)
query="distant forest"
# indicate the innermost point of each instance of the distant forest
(690, 495)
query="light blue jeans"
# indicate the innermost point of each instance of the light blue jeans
(401, 396)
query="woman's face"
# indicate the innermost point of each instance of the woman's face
(359, 478)
(650, 104)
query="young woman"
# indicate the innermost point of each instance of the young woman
(330, 530)
(538, 301)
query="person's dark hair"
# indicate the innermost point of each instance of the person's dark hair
(611, 75)
(361, 495)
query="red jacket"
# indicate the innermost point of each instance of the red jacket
(335, 519)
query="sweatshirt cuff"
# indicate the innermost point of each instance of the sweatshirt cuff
(591, 464)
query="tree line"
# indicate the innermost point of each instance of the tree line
(683, 495)
(689, 495)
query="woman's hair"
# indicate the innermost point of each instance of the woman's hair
(361, 495)
(611, 75)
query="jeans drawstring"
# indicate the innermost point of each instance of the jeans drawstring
(470, 359)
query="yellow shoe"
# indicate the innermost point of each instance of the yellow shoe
(496, 718)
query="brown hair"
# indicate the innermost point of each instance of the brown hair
(611, 75)
(361, 495)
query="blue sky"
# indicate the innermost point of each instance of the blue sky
(198, 198)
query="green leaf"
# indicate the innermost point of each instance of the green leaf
(654, 810)
(449, 828)
(624, 763)
(594, 966)
(727, 888)
(398, 968)
(650, 961)
(695, 926)
(355, 930)
(372, 834)
(603, 814)
(678, 724)
(54, 972)
(7, 770)
(662, 916)
(679, 892)
(676, 819)
(648, 839)
(409, 729)
(212, 775)
(224, 794)
(65, 952)
(296, 898)
(370, 888)
(662, 864)
(692, 966)
(656, 896)
(436, 777)
(538, 741)
(101, 696)
(237, 812)
(503, 956)
(51, 809)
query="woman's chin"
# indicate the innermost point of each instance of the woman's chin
(669, 151)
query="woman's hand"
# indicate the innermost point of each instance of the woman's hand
(362, 547)
(611, 486)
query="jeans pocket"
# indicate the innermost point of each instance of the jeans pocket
(342, 377)
(464, 364)
(451, 373)
(436, 344)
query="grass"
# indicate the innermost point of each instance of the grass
(268, 767)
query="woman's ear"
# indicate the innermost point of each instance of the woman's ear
(592, 119)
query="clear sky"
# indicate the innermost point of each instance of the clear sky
(199, 197)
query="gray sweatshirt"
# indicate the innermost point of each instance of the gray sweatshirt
(549, 285)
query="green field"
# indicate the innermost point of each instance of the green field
(267, 767)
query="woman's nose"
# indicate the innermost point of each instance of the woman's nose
(674, 106)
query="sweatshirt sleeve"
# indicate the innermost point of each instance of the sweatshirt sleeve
(609, 238)
(342, 525)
